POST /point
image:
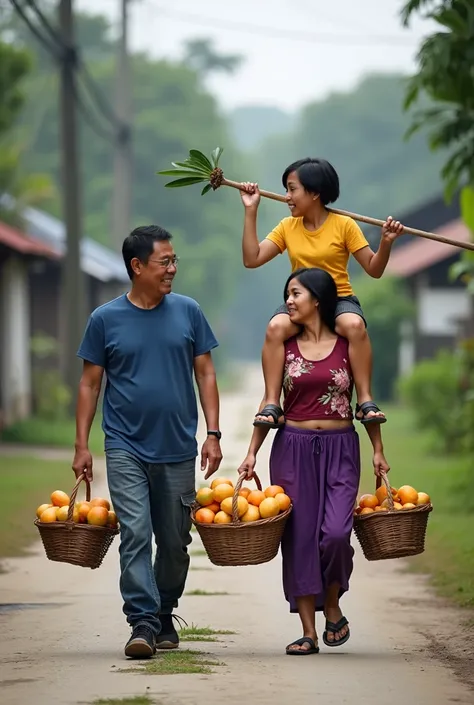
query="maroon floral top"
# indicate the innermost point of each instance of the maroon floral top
(317, 389)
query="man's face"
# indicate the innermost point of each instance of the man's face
(158, 273)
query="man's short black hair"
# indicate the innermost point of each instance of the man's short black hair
(140, 244)
(316, 176)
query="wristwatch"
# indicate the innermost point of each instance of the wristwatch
(217, 434)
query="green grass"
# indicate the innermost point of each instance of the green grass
(57, 434)
(176, 662)
(449, 480)
(25, 483)
(194, 633)
(198, 552)
(201, 593)
(137, 700)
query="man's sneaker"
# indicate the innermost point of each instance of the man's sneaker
(168, 637)
(142, 643)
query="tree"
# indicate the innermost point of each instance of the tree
(200, 56)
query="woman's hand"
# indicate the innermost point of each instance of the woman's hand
(380, 464)
(250, 195)
(392, 229)
(248, 466)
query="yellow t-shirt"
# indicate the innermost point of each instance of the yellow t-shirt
(328, 247)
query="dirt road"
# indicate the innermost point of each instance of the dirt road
(62, 629)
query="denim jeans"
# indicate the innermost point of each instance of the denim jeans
(151, 500)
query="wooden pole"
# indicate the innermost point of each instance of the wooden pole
(364, 219)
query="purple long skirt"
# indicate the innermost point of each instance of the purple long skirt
(320, 471)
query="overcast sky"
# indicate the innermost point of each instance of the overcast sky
(295, 50)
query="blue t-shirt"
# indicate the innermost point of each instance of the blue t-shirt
(150, 404)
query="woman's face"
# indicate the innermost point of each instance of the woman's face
(299, 201)
(301, 304)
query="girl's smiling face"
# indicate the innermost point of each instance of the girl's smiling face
(301, 304)
(300, 201)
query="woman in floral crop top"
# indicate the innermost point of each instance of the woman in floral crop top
(315, 457)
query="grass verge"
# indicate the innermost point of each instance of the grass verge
(25, 483)
(449, 553)
(137, 700)
(194, 633)
(176, 662)
(57, 434)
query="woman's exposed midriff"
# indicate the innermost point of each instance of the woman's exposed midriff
(321, 424)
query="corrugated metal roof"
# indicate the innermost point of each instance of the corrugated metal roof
(420, 254)
(96, 260)
(25, 244)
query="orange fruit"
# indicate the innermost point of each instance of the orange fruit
(214, 507)
(283, 501)
(48, 516)
(59, 498)
(244, 492)
(42, 508)
(397, 505)
(221, 492)
(423, 498)
(62, 512)
(381, 509)
(409, 505)
(99, 502)
(221, 481)
(112, 519)
(98, 516)
(357, 510)
(204, 496)
(274, 490)
(222, 518)
(242, 506)
(407, 494)
(369, 501)
(204, 516)
(252, 514)
(269, 507)
(366, 510)
(381, 493)
(83, 512)
(256, 497)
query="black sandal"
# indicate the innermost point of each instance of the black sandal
(365, 408)
(334, 628)
(270, 410)
(313, 649)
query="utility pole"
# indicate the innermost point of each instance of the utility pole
(73, 290)
(122, 195)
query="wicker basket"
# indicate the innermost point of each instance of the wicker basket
(241, 543)
(79, 544)
(392, 534)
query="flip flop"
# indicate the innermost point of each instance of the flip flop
(335, 627)
(270, 410)
(365, 407)
(313, 649)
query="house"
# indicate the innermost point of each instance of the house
(30, 295)
(442, 306)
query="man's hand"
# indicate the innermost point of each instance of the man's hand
(83, 463)
(380, 464)
(211, 456)
(248, 466)
(391, 229)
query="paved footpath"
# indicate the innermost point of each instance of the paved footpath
(65, 645)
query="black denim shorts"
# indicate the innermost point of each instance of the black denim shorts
(345, 304)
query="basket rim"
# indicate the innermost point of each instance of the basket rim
(422, 508)
(239, 524)
(71, 526)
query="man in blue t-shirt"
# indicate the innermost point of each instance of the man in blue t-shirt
(149, 342)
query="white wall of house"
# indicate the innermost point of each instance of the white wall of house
(15, 340)
(440, 309)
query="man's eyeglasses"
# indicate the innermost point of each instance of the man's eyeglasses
(166, 261)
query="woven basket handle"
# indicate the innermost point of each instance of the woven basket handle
(383, 479)
(237, 488)
(72, 499)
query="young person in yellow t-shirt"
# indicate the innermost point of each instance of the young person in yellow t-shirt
(314, 237)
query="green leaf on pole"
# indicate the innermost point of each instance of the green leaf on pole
(216, 155)
(198, 157)
(188, 181)
(206, 188)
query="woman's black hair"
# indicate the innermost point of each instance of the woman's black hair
(316, 176)
(322, 287)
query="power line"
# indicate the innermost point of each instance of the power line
(277, 33)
